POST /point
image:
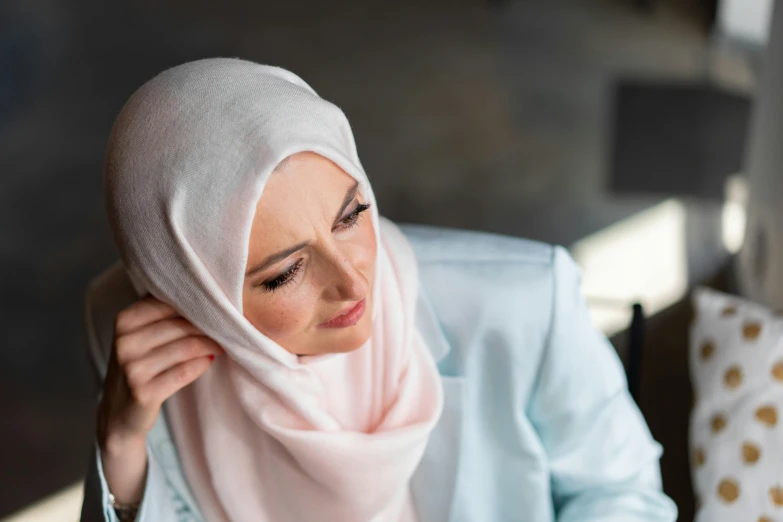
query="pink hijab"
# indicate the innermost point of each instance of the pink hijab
(265, 435)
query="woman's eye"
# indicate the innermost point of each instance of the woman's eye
(286, 277)
(352, 218)
(282, 279)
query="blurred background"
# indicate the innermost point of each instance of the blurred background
(614, 127)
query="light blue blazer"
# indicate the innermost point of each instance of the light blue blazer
(538, 424)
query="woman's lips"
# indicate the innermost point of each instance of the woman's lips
(346, 318)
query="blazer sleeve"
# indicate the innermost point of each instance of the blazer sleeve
(604, 463)
(159, 502)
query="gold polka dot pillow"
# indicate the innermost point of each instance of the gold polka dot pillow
(736, 435)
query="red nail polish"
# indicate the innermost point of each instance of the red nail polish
(211, 357)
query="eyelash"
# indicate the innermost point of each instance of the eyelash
(352, 218)
(286, 277)
(282, 279)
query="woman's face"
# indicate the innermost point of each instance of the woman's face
(311, 259)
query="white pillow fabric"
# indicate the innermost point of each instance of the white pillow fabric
(736, 432)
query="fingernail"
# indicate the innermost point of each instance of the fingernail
(211, 357)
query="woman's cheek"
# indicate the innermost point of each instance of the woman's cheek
(281, 317)
(365, 250)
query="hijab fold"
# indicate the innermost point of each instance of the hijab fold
(265, 435)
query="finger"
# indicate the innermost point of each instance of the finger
(166, 384)
(142, 341)
(143, 312)
(162, 358)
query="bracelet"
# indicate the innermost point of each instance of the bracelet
(124, 512)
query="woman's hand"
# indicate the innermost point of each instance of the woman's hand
(155, 353)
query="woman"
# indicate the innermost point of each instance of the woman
(313, 366)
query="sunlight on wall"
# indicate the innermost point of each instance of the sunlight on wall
(63, 506)
(733, 216)
(642, 258)
(746, 19)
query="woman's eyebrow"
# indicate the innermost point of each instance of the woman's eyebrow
(347, 200)
(274, 258)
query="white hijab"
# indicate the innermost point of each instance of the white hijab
(265, 435)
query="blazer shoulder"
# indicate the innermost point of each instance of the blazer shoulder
(440, 244)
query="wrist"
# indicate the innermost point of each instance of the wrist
(114, 444)
(124, 462)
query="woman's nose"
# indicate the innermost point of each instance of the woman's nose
(348, 283)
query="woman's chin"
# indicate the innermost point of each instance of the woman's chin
(347, 340)
(342, 340)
